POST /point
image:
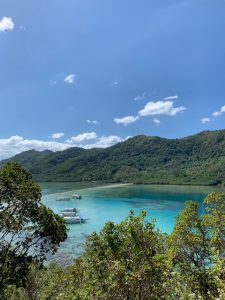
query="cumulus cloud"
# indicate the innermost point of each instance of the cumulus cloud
(140, 97)
(6, 24)
(94, 122)
(156, 121)
(70, 78)
(160, 108)
(104, 142)
(126, 120)
(153, 109)
(82, 137)
(57, 135)
(205, 120)
(17, 144)
(220, 112)
(171, 97)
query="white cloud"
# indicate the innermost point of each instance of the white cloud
(205, 120)
(17, 144)
(105, 141)
(70, 78)
(220, 112)
(82, 137)
(161, 108)
(57, 135)
(95, 122)
(171, 97)
(140, 97)
(6, 24)
(156, 121)
(126, 120)
(217, 113)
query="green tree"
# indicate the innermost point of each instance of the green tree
(190, 248)
(214, 205)
(125, 261)
(196, 245)
(28, 229)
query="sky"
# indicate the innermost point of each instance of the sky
(91, 73)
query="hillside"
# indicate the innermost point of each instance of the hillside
(197, 159)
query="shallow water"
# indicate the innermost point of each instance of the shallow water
(113, 203)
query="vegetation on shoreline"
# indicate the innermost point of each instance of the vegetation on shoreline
(28, 229)
(131, 260)
(194, 160)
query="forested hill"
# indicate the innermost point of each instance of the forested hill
(197, 159)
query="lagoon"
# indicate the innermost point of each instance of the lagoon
(113, 203)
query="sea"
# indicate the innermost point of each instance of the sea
(100, 204)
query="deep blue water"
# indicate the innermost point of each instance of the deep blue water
(103, 204)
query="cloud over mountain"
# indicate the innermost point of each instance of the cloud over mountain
(82, 137)
(17, 144)
(156, 121)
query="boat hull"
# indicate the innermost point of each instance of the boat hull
(74, 220)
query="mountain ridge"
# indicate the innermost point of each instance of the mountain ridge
(196, 159)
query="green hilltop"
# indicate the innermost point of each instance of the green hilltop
(198, 159)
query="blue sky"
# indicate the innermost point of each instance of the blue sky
(94, 72)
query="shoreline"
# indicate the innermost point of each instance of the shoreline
(118, 185)
(101, 183)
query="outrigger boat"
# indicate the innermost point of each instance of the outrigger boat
(70, 209)
(70, 216)
(76, 196)
(74, 220)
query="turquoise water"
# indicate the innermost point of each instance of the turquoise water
(113, 203)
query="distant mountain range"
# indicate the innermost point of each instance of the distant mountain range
(197, 159)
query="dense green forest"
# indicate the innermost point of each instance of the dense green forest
(197, 159)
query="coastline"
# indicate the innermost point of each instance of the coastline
(162, 187)
(89, 188)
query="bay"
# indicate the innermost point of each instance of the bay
(113, 203)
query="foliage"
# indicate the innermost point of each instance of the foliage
(126, 260)
(191, 251)
(198, 159)
(197, 246)
(215, 218)
(28, 230)
(131, 260)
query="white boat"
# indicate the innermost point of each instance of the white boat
(74, 220)
(70, 216)
(70, 209)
